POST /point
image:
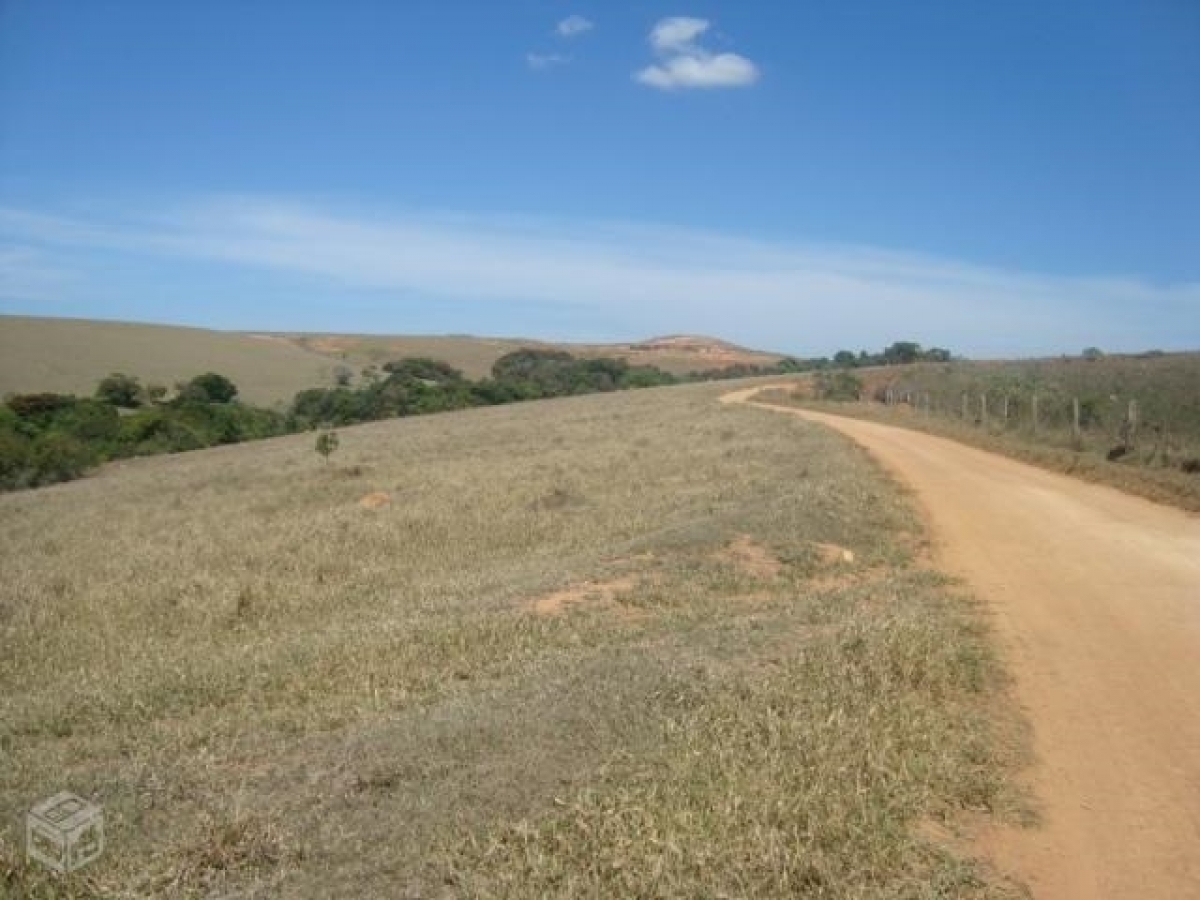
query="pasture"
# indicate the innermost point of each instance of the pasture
(635, 644)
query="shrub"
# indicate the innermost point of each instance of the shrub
(120, 390)
(327, 443)
(89, 421)
(838, 384)
(32, 406)
(422, 368)
(59, 457)
(14, 456)
(208, 388)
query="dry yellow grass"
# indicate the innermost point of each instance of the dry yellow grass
(1154, 482)
(71, 355)
(274, 690)
(475, 355)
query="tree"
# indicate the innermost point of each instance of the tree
(39, 406)
(902, 352)
(342, 376)
(421, 368)
(1091, 354)
(120, 390)
(845, 359)
(208, 388)
(327, 443)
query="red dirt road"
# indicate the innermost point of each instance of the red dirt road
(1096, 596)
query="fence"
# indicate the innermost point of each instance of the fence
(1112, 425)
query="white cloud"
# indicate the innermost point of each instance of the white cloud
(676, 35)
(803, 297)
(545, 60)
(685, 64)
(573, 26)
(722, 70)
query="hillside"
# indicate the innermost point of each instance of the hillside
(71, 355)
(626, 644)
(677, 354)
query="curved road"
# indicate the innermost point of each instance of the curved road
(1096, 596)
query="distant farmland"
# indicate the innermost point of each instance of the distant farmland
(72, 355)
(474, 356)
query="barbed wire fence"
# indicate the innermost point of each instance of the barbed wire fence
(1114, 426)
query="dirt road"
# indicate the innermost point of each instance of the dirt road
(1096, 596)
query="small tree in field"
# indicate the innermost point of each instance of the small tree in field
(327, 443)
(120, 390)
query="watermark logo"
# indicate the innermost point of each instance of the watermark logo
(64, 833)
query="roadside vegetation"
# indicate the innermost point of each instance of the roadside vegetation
(1132, 421)
(47, 437)
(633, 644)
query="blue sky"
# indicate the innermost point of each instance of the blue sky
(1000, 178)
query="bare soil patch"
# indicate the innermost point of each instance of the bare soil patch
(591, 593)
(751, 558)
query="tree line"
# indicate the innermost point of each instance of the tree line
(48, 437)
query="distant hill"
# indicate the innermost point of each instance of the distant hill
(677, 354)
(71, 355)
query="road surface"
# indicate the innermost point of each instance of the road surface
(1096, 596)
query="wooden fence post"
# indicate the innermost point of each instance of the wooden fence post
(983, 410)
(1131, 418)
(1075, 420)
(965, 413)
(1034, 408)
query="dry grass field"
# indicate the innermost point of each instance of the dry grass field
(679, 354)
(622, 645)
(71, 355)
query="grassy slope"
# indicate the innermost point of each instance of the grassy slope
(276, 691)
(475, 356)
(72, 355)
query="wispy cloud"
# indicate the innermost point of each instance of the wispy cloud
(684, 63)
(678, 34)
(642, 280)
(539, 61)
(30, 274)
(570, 27)
(573, 26)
